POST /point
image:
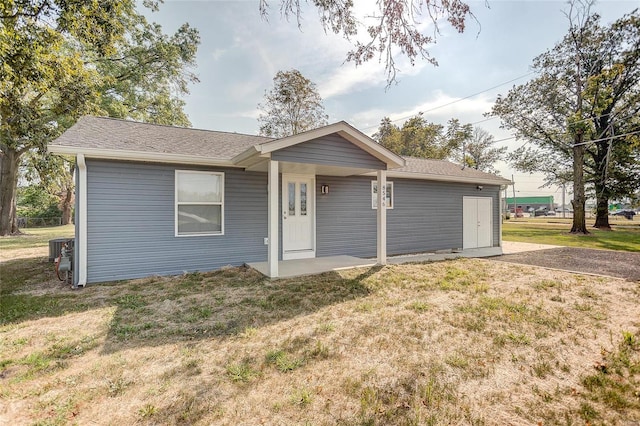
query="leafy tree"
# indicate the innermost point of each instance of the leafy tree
(54, 174)
(419, 138)
(65, 59)
(40, 79)
(479, 152)
(292, 106)
(35, 202)
(395, 26)
(580, 114)
(148, 73)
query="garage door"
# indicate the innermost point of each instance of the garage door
(476, 222)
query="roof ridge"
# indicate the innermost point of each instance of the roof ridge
(171, 126)
(424, 158)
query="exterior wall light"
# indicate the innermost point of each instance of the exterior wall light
(324, 189)
(479, 187)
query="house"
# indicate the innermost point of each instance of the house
(161, 200)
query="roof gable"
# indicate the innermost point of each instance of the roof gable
(344, 130)
(329, 150)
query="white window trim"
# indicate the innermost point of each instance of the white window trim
(210, 203)
(374, 197)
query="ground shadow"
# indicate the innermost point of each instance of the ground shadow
(29, 290)
(220, 304)
(159, 310)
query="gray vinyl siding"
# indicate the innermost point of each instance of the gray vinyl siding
(345, 221)
(426, 216)
(131, 223)
(331, 150)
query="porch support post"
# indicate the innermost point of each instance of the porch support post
(382, 217)
(272, 218)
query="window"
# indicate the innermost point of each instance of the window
(374, 194)
(199, 203)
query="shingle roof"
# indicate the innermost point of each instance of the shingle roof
(446, 169)
(111, 134)
(123, 135)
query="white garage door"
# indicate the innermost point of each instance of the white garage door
(476, 222)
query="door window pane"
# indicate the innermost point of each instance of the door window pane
(292, 198)
(303, 199)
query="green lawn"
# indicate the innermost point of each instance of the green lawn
(36, 237)
(416, 344)
(396, 345)
(623, 237)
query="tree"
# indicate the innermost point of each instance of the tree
(54, 174)
(419, 138)
(580, 112)
(40, 79)
(148, 73)
(394, 26)
(64, 59)
(292, 106)
(479, 152)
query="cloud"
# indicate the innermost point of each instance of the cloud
(439, 108)
(217, 53)
(350, 78)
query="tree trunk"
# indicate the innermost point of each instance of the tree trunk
(602, 210)
(67, 202)
(9, 162)
(579, 199)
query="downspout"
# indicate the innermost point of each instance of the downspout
(81, 193)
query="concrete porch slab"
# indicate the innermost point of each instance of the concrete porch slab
(434, 257)
(318, 265)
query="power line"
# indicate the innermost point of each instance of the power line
(607, 138)
(460, 100)
(482, 121)
(582, 143)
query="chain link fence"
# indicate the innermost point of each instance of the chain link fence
(38, 222)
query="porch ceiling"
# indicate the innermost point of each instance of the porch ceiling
(311, 169)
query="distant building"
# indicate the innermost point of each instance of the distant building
(531, 203)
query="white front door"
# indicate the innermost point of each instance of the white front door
(476, 222)
(298, 216)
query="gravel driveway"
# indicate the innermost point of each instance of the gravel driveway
(619, 264)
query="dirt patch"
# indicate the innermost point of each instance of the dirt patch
(604, 262)
(23, 253)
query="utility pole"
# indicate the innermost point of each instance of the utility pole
(515, 202)
(563, 205)
(505, 205)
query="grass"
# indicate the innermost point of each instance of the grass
(556, 232)
(458, 342)
(36, 237)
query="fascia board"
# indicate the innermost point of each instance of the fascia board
(442, 178)
(153, 157)
(246, 155)
(375, 149)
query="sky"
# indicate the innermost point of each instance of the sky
(240, 53)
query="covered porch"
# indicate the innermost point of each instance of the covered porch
(292, 165)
